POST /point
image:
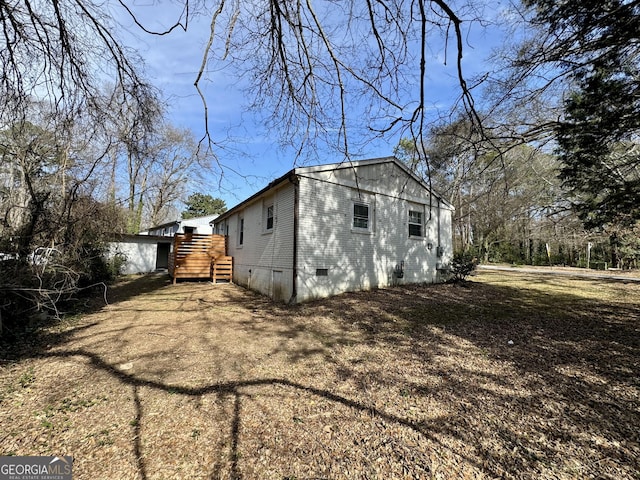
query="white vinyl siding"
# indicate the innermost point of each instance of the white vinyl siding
(260, 255)
(332, 259)
(352, 233)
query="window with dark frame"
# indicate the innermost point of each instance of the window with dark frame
(241, 231)
(270, 217)
(415, 223)
(361, 215)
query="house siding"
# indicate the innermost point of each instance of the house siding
(357, 260)
(319, 251)
(264, 262)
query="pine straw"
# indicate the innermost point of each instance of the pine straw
(509, 376)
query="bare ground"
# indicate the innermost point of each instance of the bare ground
(509, 376)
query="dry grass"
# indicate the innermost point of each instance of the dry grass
(510, 376)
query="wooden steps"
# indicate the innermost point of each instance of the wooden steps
(222, 269)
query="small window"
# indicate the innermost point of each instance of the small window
(322, 272)
(240, 231)
(189, 229)
(415, 223)
(361, 216)
(270, 217)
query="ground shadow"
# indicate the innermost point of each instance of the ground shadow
(531, 381)
(51, 332)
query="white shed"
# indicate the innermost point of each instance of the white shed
(141, 253)
(323, 230)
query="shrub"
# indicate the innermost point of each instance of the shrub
(462, 265)
(116, 264)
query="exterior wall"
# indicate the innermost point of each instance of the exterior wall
(140, 252)
(164, 231)
(353, 259)
(264, 261)
(201, 225)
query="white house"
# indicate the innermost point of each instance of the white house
(319, 231)
(188, 225)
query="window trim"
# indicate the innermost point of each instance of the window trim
(369, 218)
(241, 232)
(411, 223)
(269, 207)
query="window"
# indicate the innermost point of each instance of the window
(189, 229)
(361, 216)
(270, 217)
(240, 231)
(415, 223)
(322, 272)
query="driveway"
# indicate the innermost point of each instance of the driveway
(625, 276)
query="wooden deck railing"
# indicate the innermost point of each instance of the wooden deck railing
(200, 256)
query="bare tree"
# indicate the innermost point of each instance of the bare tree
(62, 51)
(307, 63)
(310, 63)
(175, 163)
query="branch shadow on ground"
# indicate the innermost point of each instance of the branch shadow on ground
(46, 335)
(231, 389)
(567, 383)
(573, 384)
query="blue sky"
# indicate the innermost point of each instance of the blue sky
(251, 155)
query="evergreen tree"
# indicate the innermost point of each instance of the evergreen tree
(200, 204)
(595, 47)
(597, 144)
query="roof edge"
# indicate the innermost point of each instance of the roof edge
(255, 196)
(331, 166)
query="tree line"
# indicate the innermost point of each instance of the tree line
(68, 187)
(511, 204)
(539, 152)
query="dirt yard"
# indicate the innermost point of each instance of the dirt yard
(510, 376)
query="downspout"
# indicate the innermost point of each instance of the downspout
(295, 181)
(439, 248)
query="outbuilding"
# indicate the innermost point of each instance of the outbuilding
(141, 253)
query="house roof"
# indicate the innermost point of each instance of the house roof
(328, 167)
(184, 220)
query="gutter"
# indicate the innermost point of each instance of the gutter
(287, 176)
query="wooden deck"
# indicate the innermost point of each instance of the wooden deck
(200, 256)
